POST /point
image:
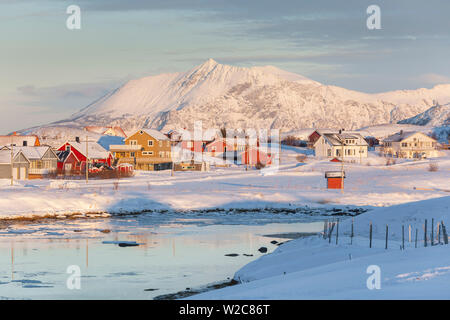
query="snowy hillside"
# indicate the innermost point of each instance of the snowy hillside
(257, 97)
(438, 115)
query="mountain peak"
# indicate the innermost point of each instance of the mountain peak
(208, 64)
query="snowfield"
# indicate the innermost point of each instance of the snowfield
(314, 268)
(370, 184)
(403, 194)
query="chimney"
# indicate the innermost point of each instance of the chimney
(77, 139)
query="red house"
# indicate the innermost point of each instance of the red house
(72, 155)
(254, 156)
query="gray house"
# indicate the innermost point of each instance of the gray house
(43, 160)
(20, 167)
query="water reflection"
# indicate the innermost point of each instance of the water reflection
(174, 253)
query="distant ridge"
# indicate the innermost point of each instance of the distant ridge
(258, 97)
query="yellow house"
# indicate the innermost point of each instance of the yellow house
(413, 145)
(146, 149)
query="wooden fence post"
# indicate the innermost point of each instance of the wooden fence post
(387, 232)
(439, 233)
(417, 233)
(370, 235)
(432, 232)
(425, 234)
(330, 233)
(325, 224)
(444, 233)
(403, 237)
(352, 233)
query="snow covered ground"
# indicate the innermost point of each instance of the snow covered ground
(314, 268)
(370, 184)
(403, 194)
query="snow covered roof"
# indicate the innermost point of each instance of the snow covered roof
(5, 155)
(402, 135)
(33, 153)
(336, 139)
(95, 150)
(18, 140)
(156, 134)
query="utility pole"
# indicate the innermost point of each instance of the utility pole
(12, 162)
(87, 160)
(342, 163)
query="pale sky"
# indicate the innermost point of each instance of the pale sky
(49, 72)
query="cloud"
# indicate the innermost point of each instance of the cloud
(433, 78)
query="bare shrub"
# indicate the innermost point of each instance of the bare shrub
(260, 165)
(433, 167)
(293, 141)
(390, 161)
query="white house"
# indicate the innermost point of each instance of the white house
(413, 145)
(351, 145)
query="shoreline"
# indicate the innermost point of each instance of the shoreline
(305, 210)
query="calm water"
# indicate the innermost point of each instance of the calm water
(176, 251)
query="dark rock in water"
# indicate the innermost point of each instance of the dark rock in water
(150, 289)
(262, 249)
(231, 255)
(188, 289)
(125, 244)
(248, 255)
(273, 242)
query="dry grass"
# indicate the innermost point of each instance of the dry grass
(433, 167)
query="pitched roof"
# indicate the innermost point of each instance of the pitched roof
(155, 134)
(336, 139)
(402, 135)
(18, 140)
(5, 155)
(95, 151)
(33, 153)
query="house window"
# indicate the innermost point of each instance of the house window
(404, 144)
(329, 152)
(147, 153)
(133, 142)
(160, 144)
(68, 148)
(133, 155)
(150, 143)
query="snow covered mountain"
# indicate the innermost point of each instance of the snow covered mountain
(436, 116)
(258, 97)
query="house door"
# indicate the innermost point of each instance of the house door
(15, 173)
(22, 173)
(67, 167)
